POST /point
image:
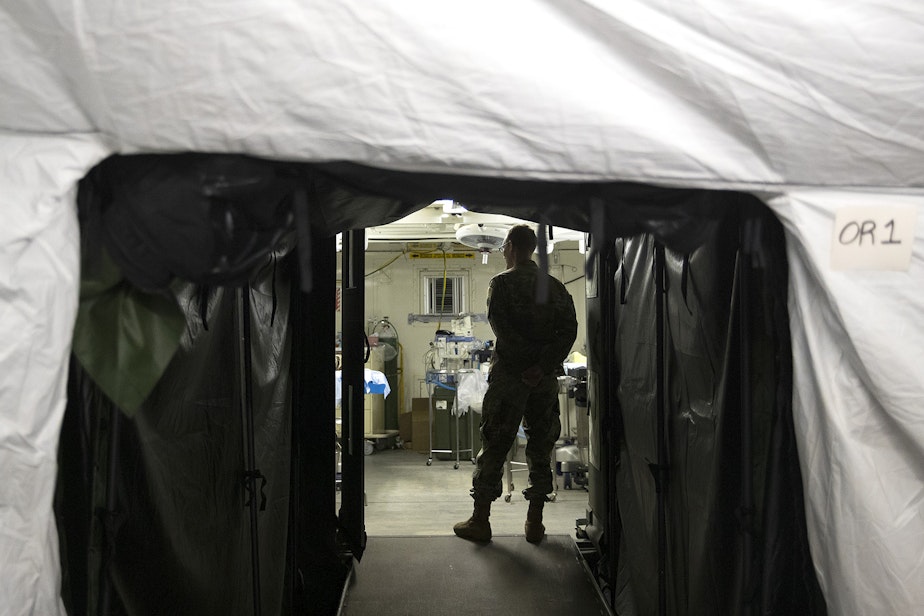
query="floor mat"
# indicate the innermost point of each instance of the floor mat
(436, 576)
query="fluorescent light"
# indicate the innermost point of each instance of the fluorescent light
(450, 206)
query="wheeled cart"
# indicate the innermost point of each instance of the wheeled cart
(446, 381)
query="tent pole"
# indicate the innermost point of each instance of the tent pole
(610, 425)
(105, 578)
(747, 488)
(251, 474)
(661, 471)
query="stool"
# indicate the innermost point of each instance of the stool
(509, 465)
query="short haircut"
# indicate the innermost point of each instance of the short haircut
(522, 238)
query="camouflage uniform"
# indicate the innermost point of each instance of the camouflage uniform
(527, 334)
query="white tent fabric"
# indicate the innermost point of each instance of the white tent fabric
(858, 361)
(39, 272)
(815, 105)
(709, 92)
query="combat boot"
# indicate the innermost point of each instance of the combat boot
(477, 527)
(534, 528)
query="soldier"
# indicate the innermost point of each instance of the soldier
(533, 339)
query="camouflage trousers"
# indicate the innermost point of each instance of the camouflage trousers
(506, 403)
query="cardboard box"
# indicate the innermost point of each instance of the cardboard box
(373, 414)
(420, 409)
(405, 427)
(420, 424)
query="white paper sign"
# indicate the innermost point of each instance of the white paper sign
(873, 238)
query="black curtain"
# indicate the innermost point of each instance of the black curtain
(169, 531)
(733, 539)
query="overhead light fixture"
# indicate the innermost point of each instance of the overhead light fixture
(483, 237)
(450, 206)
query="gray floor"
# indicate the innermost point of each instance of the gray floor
(414, 565)
(405, 497)
(446, 576)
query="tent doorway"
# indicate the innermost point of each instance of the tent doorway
(405, 495)
(141, 537)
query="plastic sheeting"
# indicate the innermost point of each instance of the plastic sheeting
(123, 337)
(176, 539)
(374, 382)
(734, 538)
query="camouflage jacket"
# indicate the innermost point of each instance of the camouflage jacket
(528, 332)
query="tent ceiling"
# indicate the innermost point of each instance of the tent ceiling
(711, 94)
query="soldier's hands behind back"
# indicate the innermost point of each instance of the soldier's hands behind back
(532, 375)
